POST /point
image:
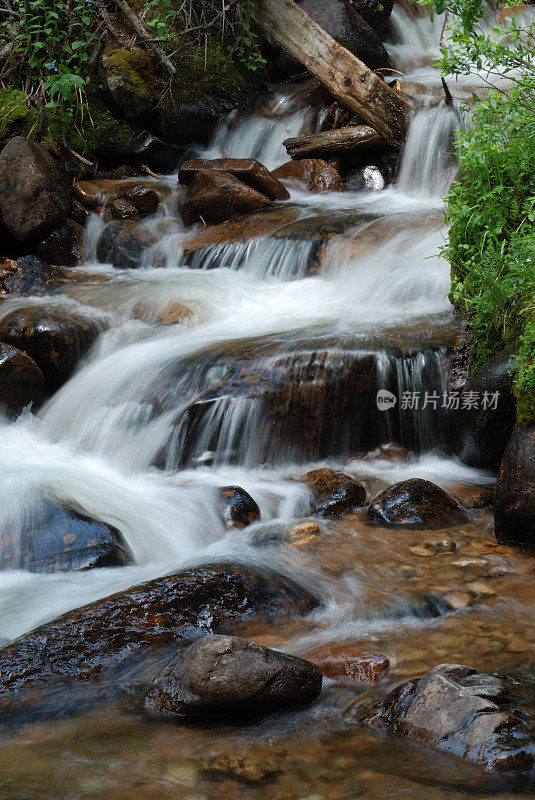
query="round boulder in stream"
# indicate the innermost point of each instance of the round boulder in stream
(123, 242)
(334, 492)
(215, 196)
(514, 508)
(140, 625)
(317, 176)
(228, 678)
(238, 507)
(415, 503)
(55, 339)
(21, 380)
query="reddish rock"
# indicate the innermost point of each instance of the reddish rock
(144, 193)
(121, 208)
(415, 503)
(350, 662)
(238, 507)
(388, 452)
(21, 380)
(247, 170)
(242, 229)
(318, 176)
(145, 198)
(123, 242)
(334, 492)
(514, 504)
(30, 276)
(56, 341)
(34, 193)
(473, 496)
(216, 196)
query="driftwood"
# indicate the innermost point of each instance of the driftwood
(332, 143)
(344, 75)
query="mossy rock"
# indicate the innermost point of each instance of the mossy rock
(132, 81)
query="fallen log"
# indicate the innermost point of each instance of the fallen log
(331, 143)
(344, 75)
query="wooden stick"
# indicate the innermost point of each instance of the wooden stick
(139, 28)
(330, 143)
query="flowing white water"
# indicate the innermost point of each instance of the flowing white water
(93, 444)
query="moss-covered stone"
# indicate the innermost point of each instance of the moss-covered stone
(17, 118)
(130, 78)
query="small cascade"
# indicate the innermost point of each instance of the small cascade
(260, 134)
(265, 257)
(428, 165)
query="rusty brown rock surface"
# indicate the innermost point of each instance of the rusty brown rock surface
(350, 662)
(334, 492)
(90, 642)
(123, 242)
(242, 229)
(239, 509)
(215, 196)
(317, 175)
(247, 170)
(415, 503)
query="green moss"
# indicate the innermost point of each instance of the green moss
(137, 71)
(525, 376)
(16, 117)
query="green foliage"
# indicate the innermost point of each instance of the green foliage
(247, 41)
(491, 248)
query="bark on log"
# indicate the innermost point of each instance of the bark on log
(346, 77)
(331, 143)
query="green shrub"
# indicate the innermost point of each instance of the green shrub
(491, 248)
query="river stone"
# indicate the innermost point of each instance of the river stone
(481, 435)
(121, 208)
(56, 539)
(317, 176)
(376, 13)
(334, 492)
(237, 506)
(55, 339)
(247, 170)
(350, 663)
(242, 229)
(216, 196)
(229, 678)
(34, 194)
(514, 504)
(456, 709)
(21, 380)
(91, 642)
(33, 277)
(341, 21)
(415, 503)
(63, 246)
(123, 242)
(183, 124)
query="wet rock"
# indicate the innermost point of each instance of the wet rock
(56, 340)
(237, 506)
(145, 198)
(21, 380)
(31, 276)
(318, 176)
(217, 196)
(456, 709)
(334, 492)
(34, 194)
(182, 124)
(92, 641)
(481, 435)
(304, 533)
(144, 193)
(123, 242)
(64, 246)
(415, 503)
(247, 170)
(350, 662)
(345, 24)
(367, 179)
(376, 13)
(388, 452)
(242, 229)
(129, 78)
(228, 678)
(243, 767)
(514, 504)
(158, 155)
(473, 496)
(121, 208)
(53, 538)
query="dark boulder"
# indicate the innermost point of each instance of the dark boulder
(145, 198)
(514, 502)
(341, 21)
(216, 196)
(91, 642)
(237, 506)
(247, 170)
(229, 678)
(460, 711)
(317, 176)
(34, 277)
(182, 124)
(121, 208)
(53, 538)
(415, 503)
(334, 492)
(34, 194)
(55, 339)
(376, 13)
(64, 246)
(21, 380)
(482, 434)
(123, 242)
